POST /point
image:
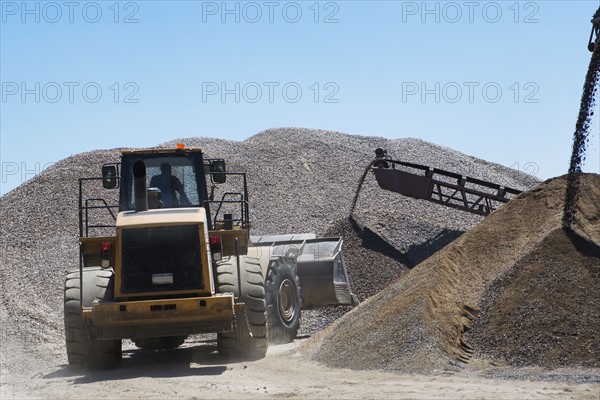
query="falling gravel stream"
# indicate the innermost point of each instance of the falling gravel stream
(582, 130)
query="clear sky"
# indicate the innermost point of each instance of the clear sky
(497, 80)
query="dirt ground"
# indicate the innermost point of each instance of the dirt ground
(195, 371)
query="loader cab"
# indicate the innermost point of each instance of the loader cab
(182, 178)
(177, 180)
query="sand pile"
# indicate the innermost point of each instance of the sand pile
(417, 323)
(546, 311)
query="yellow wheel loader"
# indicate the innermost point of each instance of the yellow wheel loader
(173, 259)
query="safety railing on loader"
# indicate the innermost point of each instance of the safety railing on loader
(94, 213)
(223, 215)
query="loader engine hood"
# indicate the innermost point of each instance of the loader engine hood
(158, 217)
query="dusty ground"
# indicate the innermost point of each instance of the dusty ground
(196, 372)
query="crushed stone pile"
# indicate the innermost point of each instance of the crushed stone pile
(524, 286)
(299, 180)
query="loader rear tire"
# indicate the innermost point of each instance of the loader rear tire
(248, 341)
(283, 301)
(82, 351)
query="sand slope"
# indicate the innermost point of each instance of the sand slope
(417, 323)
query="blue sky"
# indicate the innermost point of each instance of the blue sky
(498, 80)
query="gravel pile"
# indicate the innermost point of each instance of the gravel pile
(38, 244)
(532, 284)
(299, 180)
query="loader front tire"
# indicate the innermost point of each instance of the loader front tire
(283, 301)
(248, 341)
(82, 351)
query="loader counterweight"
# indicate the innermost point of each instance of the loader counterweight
(148, 318)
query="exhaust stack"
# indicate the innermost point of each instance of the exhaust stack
(139, 186)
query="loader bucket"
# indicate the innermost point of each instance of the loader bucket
(320, 267)
(322, 274)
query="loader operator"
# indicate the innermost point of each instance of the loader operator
(169, 185)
